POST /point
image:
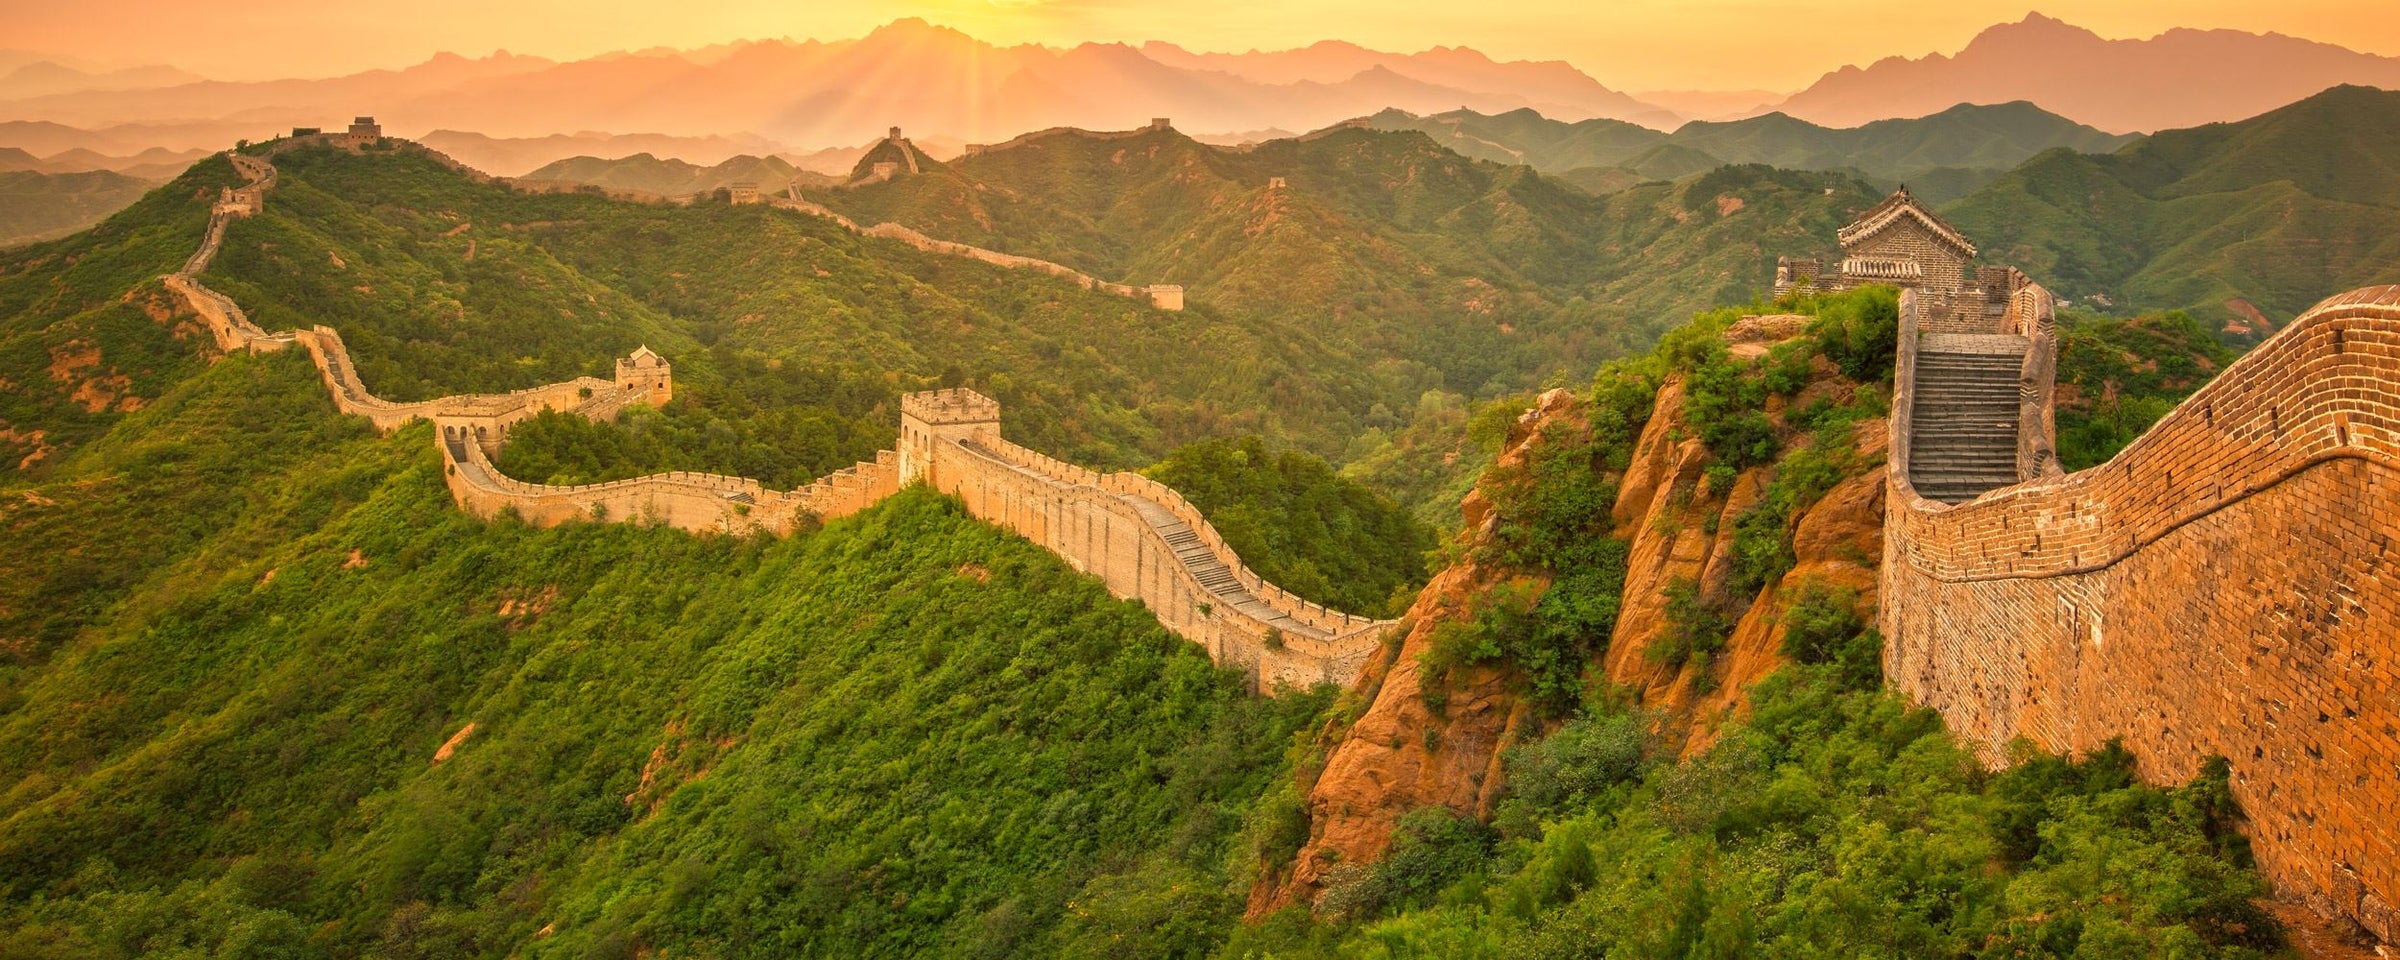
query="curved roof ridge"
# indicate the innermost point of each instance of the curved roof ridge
(1902, 204)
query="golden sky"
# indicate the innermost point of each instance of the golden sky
(1626, 44)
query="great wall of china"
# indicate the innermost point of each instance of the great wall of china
(2225, 586)
(1140, 538)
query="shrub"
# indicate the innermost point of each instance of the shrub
(1822, 627)
(1583, 760)
(1694, 626)
(1860, 332)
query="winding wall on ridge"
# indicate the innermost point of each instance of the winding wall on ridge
(1140, 538)
(2228, 585)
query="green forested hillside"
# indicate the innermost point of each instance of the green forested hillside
(88, 335)
(1941, 157)
(906, 734)
(1458, 274)
(443, 285)
(2243, 224)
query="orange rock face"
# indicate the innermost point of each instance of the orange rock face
(1402, 753)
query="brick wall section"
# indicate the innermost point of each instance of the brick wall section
(951, 441)
(2228, 585)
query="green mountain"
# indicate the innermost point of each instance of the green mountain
(36, 206)
(1468, 276)
(670, 177)
(2244, 224)
(1942, 156)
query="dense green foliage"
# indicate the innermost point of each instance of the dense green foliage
(2237, 222)
(779, 423)
(2117, 377)
(1829, 823)
(1941, 157)
(1322, 536)
(906, 733)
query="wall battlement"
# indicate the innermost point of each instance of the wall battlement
(1137, 536)
(2228, 585)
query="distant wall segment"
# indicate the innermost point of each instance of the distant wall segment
(2228, 585)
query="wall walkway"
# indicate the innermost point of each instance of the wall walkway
(2228, 585)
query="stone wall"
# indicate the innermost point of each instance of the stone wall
(1116, 527)
(2227, 585)
(1162, 296)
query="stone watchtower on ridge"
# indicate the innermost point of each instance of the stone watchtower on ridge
(1899, 241)
(936, 415)
(1902, 243)
(649, 374)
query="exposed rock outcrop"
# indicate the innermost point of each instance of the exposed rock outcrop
(1403, 753)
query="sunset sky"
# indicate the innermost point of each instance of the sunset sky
(1626, 44)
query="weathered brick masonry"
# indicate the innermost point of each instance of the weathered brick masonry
(2228, 585)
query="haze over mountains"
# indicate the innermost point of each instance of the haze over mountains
(1943, 156)
(2180, 78)
(941, 83)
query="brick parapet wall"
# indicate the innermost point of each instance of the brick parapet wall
(1091, 521)
(702, 502)
(2227, 585)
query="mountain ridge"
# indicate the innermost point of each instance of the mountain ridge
(2174, 79)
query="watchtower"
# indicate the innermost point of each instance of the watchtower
(647, 373)
(363, 131)
(931, 417)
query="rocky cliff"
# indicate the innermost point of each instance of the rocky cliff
(1422, 738)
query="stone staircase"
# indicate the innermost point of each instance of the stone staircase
(1211, 570)
(1964, 424)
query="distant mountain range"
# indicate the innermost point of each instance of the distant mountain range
(792, 97)
(521, 156)
(2180, 78)
(2246, 224)
(39, 206)
(929, 79)
(45, 78)
(154, 164)
(1943, 156)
